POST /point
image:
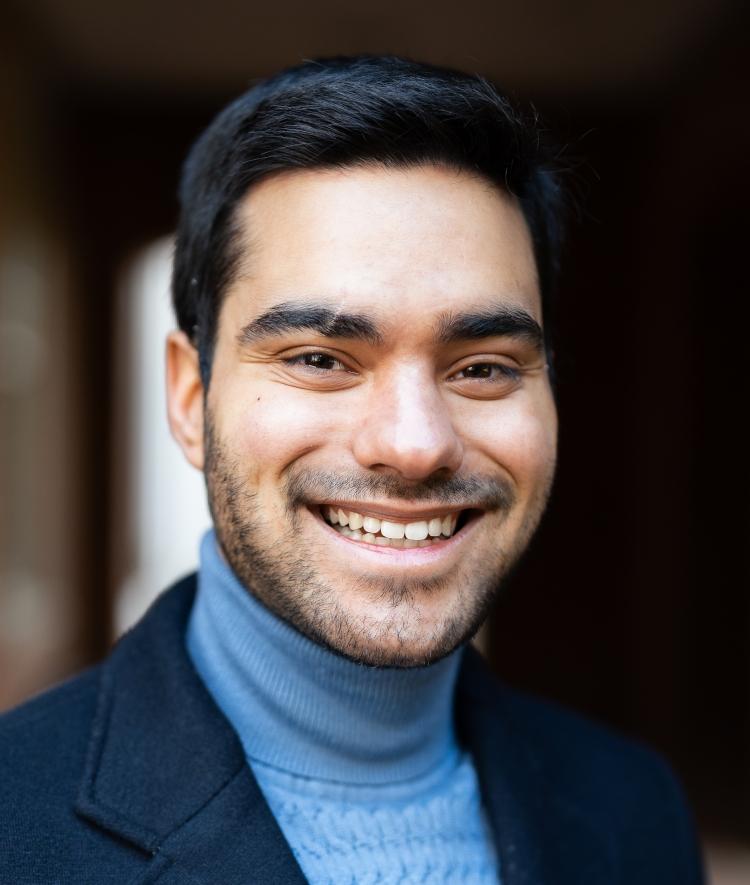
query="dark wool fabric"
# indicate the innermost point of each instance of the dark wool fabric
(130, 774)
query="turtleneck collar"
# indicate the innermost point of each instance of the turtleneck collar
(301, 708)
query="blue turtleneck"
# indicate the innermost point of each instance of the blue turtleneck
(360, 765)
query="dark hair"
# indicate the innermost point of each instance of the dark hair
(345, 112)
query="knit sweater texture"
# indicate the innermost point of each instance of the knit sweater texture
(360, 765)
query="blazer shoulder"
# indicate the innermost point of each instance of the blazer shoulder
(582, 782)
(620, 784)
(48, 744)
(554, 738)
(571, 744)
(58, 707)
(43, 741)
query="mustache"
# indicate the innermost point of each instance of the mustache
(483, 492)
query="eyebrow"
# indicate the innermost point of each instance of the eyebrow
(290, 316)
(495, 322)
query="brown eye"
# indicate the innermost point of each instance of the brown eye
(497, 372)
(320, 361)
(317, 360)
(482, 370)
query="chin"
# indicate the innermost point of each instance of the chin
(401, 638)
(406, 656)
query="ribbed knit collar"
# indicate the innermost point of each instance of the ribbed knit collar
(301, 708)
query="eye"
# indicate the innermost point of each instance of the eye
(498, 373)
(316, 361)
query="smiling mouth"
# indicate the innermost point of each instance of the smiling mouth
(396, 533)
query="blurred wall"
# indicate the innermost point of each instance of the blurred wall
(40, 620)
(159, 506)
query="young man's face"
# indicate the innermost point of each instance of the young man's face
(378, 358)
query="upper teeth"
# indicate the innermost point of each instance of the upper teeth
(412, 531)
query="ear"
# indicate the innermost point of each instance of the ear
(185, 396)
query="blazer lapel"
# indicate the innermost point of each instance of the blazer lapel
(542, 838)
(167, 773)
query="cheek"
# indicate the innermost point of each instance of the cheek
(521, 437)
(270, 427)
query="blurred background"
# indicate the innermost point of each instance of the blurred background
(633, 606)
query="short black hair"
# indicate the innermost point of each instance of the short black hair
(345, 112)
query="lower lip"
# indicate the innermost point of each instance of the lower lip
(404, 555)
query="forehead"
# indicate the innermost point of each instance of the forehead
(404, 242)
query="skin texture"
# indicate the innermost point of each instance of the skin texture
(403, 426)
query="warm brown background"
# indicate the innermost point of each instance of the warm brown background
(633, 605)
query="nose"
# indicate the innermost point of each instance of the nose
(407, 427)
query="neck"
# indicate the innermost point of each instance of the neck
(302, 708)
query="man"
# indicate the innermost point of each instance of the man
(361, 371)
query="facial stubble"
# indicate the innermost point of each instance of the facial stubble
(389, 628)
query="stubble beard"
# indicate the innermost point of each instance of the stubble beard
(283, 574)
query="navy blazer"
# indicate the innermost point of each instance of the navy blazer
(130, 774)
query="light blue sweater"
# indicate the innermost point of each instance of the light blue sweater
(359, 765)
